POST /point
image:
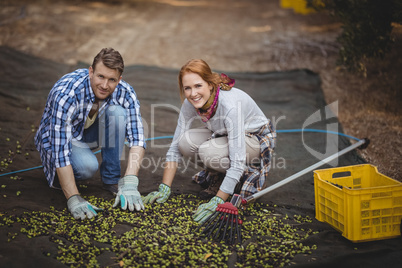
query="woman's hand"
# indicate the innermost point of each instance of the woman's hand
(159, 196)
(204, 211)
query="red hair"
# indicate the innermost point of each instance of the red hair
(200, 67)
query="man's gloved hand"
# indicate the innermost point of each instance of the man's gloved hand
(207, 209)
(80, 208)
(160, 196)
(128, 195)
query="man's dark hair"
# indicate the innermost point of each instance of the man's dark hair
(110, 58)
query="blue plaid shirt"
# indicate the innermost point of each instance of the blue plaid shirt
(67, 107)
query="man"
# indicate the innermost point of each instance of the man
(86, 109)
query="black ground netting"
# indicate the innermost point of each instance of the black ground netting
(293, 100)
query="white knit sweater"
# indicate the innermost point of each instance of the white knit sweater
(236, 115)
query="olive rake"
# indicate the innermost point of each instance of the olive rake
(225, 223)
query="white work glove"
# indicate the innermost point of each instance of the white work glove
(159, 196)
(204, 211)
(128, 195)
(80, 208)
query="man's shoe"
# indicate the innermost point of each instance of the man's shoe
(111, 188)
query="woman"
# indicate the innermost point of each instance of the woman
(235, 146)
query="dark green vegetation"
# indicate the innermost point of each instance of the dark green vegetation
(367, 27)
(161, 236)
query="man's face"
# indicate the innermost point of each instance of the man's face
(103, 80)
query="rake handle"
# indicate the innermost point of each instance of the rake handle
(361, 143)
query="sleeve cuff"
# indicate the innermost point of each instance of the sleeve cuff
(228, 185)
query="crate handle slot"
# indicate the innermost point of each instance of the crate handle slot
(341, 174)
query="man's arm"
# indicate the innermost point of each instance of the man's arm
(67, 181)
(135, 157)
(79, 207)
(128, 195)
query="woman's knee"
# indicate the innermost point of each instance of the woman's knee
(191, 140)
(214, 154)
(252, 150)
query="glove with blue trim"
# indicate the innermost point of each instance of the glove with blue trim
(128, 195)
(80, 208)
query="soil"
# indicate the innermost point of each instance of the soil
(233, 36)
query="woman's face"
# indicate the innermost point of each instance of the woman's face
(196, 90)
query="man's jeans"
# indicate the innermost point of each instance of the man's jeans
(107, 132)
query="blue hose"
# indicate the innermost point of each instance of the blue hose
(316, 130)
(170, 137)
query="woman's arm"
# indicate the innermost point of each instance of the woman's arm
(234, 123)
(186, 116)
(222, 195)
(169, 173)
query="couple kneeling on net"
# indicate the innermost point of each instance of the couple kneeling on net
(95, 107)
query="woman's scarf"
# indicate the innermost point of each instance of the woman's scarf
(209, 108)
